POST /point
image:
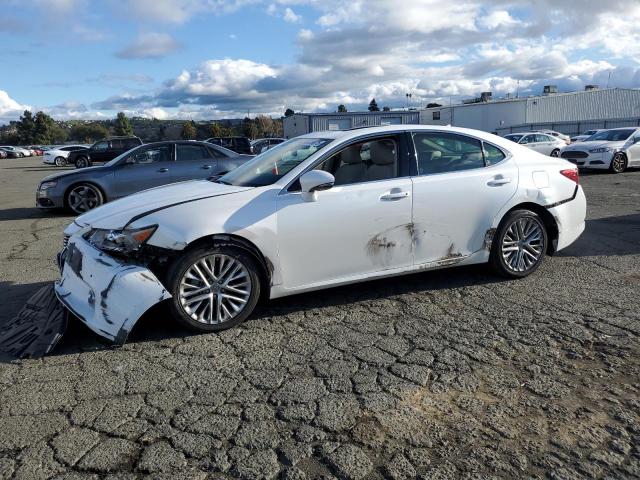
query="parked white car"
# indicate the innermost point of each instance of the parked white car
(58, 155)
(325, 209)
(22, 152)
(540, 142)
(585, 135)
(614, 150)
(565, 138)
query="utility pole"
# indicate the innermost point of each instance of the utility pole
(518, 89)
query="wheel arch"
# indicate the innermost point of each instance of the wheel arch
(549, 221)
(237, 241)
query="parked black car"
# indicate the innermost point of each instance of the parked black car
(11, 153)
(236, 144)
(103, 151)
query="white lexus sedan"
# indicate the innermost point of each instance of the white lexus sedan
(58, 155)
(539, 142)
(321, 210)
(614, 150)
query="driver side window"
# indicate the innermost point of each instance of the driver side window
(101, 146)
(363, 162)
(151, 155)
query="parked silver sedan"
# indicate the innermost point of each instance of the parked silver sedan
(539, 142)
(147, 166)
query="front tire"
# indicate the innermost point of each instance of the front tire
(618, 163)
(213, 288)
(60, 161)
(82, 162)
(519, 245)
(83, 197)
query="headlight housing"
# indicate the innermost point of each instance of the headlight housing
(120, 241)
(45, 185)
(601, 150)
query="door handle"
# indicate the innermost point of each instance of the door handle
(206, 167)
(497, 182)
(163, 170)
(392, 196)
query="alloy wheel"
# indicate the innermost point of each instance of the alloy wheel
(60, 162)
(215, 289)
(523, 244)
(84, 198)
(82, 162)
(555, 153)
(618, 163)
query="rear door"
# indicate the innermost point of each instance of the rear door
(146, 167)
(461, 185)
(193, 161)
(98, 151)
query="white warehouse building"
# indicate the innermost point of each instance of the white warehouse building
(569, 113)
(302, 123)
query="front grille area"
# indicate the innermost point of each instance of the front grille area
(574, 154)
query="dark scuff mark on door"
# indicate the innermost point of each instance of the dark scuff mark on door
(451, 257)
(378, 244)
(103, 300)
(385, 241)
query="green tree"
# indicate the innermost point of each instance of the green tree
(26, 128)
(44, 129)
(189, 130)
(122, 127)
(373, 106)
(216, 130)
(386, 109)
(288, 112)
(249, 128)
(88, 133)
(433, 105)
(342, 108)
(162, 132)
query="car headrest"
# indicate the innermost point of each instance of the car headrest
(351, 155)
(472, 156)
(383, 152)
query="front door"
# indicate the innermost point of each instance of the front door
(360, 226)
(145, 168)
(462, 184)
(193, 162)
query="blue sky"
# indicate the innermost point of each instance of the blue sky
(206, 59)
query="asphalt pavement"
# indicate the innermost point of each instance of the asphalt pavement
(439, 375)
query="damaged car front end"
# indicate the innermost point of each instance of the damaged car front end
(102, 283)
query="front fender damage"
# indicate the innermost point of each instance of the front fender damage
(107, 294)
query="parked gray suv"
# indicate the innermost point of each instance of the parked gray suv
(147, 166)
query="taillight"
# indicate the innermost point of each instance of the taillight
(571, 174)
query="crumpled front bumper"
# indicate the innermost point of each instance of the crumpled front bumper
(107, 294)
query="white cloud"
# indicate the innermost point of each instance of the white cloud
(9, 108)
(156, 112)
(290, 16)
(150, 45)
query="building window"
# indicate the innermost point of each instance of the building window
(436, 115)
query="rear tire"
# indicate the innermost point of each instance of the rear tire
(213, 288)
(618, 163)
(519, 245)
(82, 162)
(555, 153)
(60, 161)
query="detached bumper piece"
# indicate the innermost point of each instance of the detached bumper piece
(107, 294)
(37, 328)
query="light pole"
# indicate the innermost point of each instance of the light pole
(408, 95)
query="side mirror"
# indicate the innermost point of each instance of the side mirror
(315, 181)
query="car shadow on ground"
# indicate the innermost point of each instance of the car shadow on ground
(22, 213)
(157, 324)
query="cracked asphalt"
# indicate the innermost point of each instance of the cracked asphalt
(439, 375)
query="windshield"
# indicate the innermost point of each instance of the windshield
(272, 165)
(514, 138)
(612, 135)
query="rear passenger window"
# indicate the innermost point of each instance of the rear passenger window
(192, 152)
(492, 155)
(364, 162)
(441, 152)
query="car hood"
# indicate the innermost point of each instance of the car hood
(118, 214)
(586, 146)
(79, 171)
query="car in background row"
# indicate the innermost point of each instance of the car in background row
(147, 166)
(540, 142)
(235, 144)
(37, 151)
(263, 144)
(58, 155)
(103, 151)
(3, 154)
(585, 135)
(17, 151)
(565, 138)
(614, 150)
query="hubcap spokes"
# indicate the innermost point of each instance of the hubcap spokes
(523, 244)
(618, 162)
(83, 198)
(215, 289)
